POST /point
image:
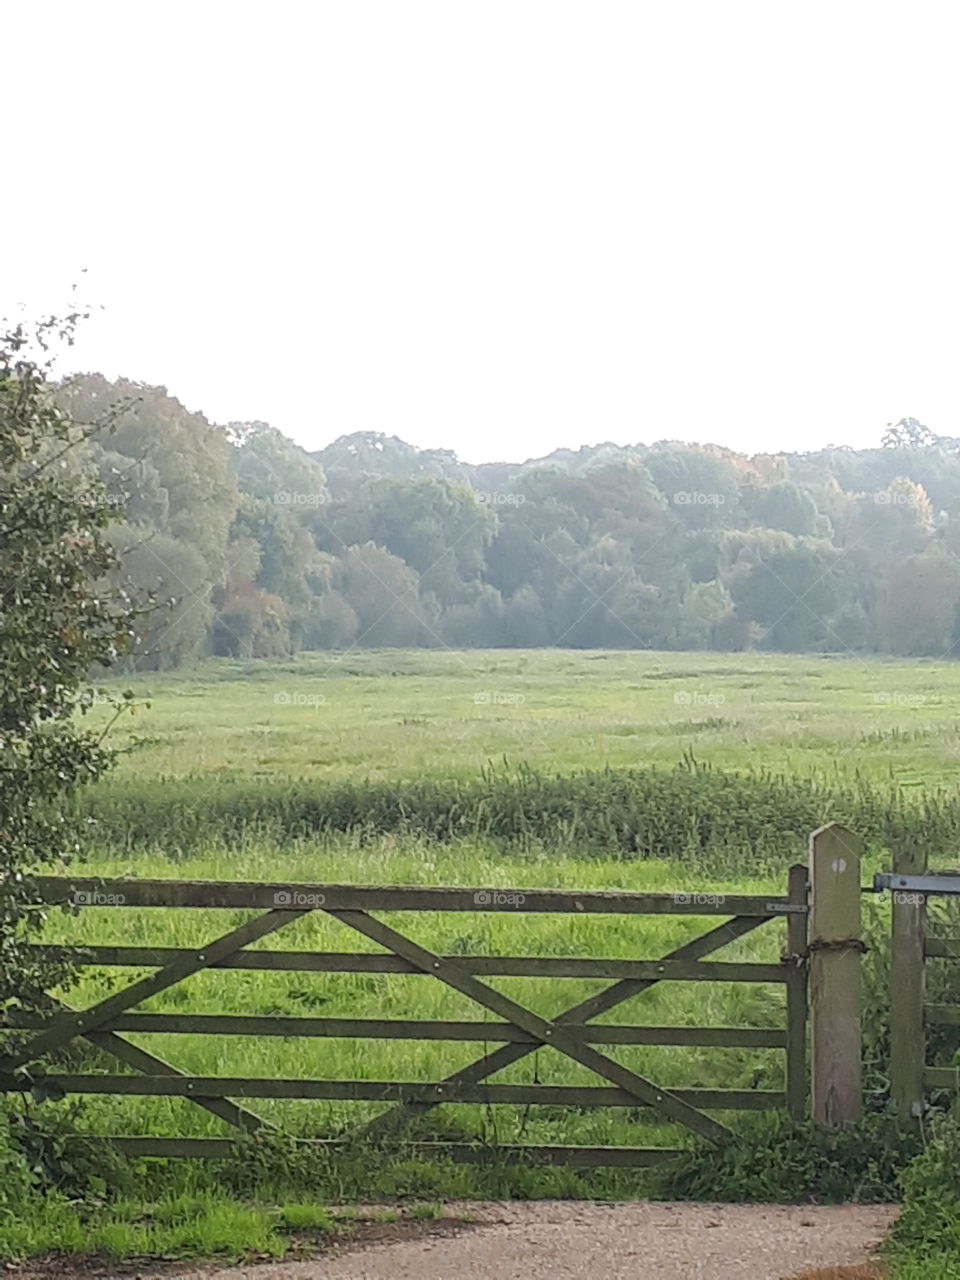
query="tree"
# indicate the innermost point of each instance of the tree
(782, 506)
(274, 469)
(917, 612)
(894, 521)
(701, 488)
(705, 608)
(165, 579)
(56, 623)
(908, 433)
(789, 586)
(439, 529)
(168, 471)
(190, 455)
(383, 593)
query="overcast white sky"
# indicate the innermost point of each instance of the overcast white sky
(499, 226)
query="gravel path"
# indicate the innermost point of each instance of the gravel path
(564, 1240)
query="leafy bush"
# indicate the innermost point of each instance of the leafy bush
(16, 1185)
(55, 624)
(927, 1231)
(775, 1159)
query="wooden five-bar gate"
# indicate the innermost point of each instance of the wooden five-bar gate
(516, 1030)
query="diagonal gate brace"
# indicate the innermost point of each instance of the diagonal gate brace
(703, 945)
(565, 1040)
(110, 1043)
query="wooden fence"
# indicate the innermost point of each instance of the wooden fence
(518, 1031)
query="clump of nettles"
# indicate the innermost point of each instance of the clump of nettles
(929, 1222)
(61, 616)
(775, 1159)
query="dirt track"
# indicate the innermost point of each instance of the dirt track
(563, 1240)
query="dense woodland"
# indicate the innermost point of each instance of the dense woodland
(237, 542)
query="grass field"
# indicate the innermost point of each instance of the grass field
(371, 718)
(367, 767)
(405, 714)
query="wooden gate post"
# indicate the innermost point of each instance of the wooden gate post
(835, 947)
(907, 1036)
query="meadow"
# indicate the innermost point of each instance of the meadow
(668, 772)
(394, 714)
(375, 722)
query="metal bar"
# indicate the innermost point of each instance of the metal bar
(947, 884)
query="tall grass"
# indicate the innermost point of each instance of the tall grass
(685, 813)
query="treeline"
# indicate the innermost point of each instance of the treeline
(235, 541)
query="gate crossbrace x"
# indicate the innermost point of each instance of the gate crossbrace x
(585, 1011)
(554, 1033)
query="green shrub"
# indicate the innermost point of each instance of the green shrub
(928, 1229)
(775, 1159)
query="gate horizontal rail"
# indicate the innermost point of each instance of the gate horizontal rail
(489, 966)
(390, 1091)
(458, 1152)
(234, 894)
(405, 1029)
